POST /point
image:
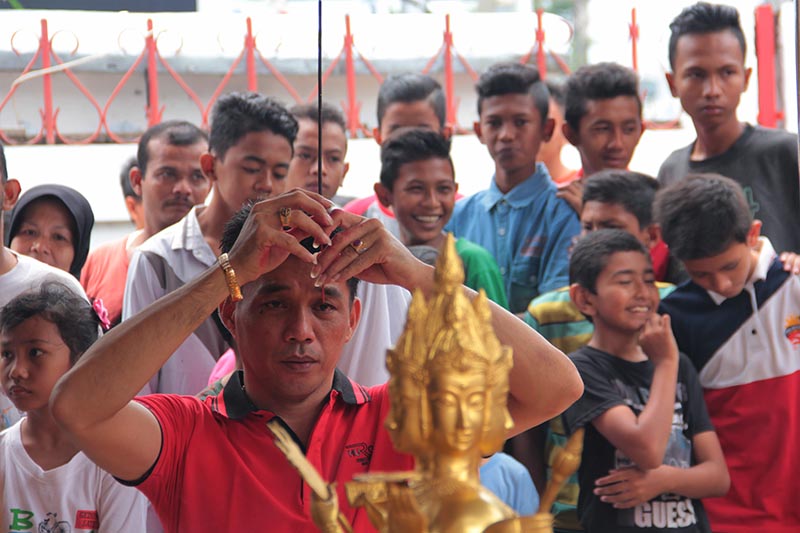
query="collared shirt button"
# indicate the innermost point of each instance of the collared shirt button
(501, 231)
(503, 271)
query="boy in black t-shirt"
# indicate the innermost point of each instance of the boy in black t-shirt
(650, 450)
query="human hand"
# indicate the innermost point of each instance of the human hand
(657, 340)
(263, 243)
(628, 487)
(791, 262)
(573, 194)
(365, 249)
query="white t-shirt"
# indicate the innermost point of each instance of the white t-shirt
(27, 274)
(383, 317)
(72, 498)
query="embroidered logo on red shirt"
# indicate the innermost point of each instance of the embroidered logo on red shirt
(361, 452)
(792, 330)
(86, 520)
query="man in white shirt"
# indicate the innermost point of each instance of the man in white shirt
(250, 147)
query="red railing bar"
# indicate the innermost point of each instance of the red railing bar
(633, 30)
(541, 58)
(765, 54)
(153, 111)
(249, 46)
(27, 69)
(280, 77)
(449, 83)
(562, 65)
(377, 75)
(222, 85)
(325, 76)
(48, 119)
(353, 106)
(85, 92)
(113, 136)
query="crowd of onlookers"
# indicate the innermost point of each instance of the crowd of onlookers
(677, 298)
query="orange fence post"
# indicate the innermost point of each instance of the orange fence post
(449, 82)
(633, 29)
(768, 114)
(48, 119)
(353, 107)
(541, 58)
(249, 45)
(152, 111)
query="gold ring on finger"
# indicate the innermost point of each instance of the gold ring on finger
(359, 246)
(285, 213)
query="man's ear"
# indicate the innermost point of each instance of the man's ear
(754, 233)
(355, 316)
(653, 232)
(207, 161)
(227, 313)
(384, 195)
(344, 175)
(376, 134)
(476, 127)
(447, 132)
(547, 129)
(582, 298)
(671, 82)
(135, 177)
(570, 134)
(747, 73)
(11, 190)
(131, 204)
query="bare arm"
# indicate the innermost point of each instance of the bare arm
(630, 487)
(92, 402)
(644, 438)
(543, 382)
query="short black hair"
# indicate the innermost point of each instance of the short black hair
(702, 215)
(330, 113)
(632, 191)
(600, 81)
(175, 132)
(3, 167)
(409, 88)
(512, 78)
(125, 178)
(703, 17)
(408, 145)
(558, 91)
(234, 227)
(53, 301)
(237, 114)
(592, 252)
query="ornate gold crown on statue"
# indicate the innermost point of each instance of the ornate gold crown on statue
(448, 389)
(449, 334)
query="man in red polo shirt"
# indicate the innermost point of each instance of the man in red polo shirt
(213, 465)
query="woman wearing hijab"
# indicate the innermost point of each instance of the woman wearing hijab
(53, 223)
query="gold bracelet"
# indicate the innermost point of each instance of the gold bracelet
(230, 278)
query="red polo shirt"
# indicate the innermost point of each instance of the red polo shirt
(219, 469)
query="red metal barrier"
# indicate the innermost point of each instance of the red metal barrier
(768, 114)
(542, 50)
(446, 51)
(633, 31)
(150, 55)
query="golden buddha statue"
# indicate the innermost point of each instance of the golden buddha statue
(449, 388)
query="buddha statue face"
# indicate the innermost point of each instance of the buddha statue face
(404, 421)
(458, 407)
(498, 421)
